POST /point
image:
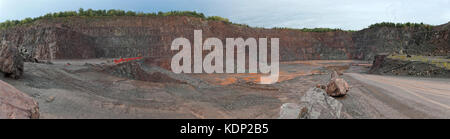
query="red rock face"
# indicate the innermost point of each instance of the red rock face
(112, 37)
(15, 104)
(51, 42)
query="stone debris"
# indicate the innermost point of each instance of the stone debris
(315, 104)
(50, 99)
(321, 86)
(27, 57)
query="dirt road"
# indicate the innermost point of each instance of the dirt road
(397, 97)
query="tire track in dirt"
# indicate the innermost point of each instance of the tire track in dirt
(415, 98)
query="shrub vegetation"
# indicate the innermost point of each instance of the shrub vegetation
(401, 25)
(315, 29)
(115, 12)
(112, 12)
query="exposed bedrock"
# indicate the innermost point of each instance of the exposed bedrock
(384, 65)
(15, 104)
(413, 40)
(112, 37)
(11, 62)
(44, 43)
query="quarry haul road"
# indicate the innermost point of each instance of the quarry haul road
(404, 97)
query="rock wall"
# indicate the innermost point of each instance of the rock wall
(384, 65)
(152, 36)
(112, 37)
(53, 42)
(409, 40)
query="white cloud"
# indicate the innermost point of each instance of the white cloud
(345, 14)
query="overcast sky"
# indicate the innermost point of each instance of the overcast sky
(345, 14)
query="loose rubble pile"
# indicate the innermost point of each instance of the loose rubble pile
(315, 104)
(318, 102)
(15, 104)
(136, 70)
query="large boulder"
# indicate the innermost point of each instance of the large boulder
(337, 87)
(15, 104)
(315, 104)
(11, 62)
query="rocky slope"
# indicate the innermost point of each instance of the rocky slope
(136, 70)
(388, 66)
(112, 37)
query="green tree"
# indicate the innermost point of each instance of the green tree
(81, 12)
(111, 12)
(217, 18)
(130, 13)
(90, 12)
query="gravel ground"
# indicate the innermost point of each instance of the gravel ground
(75, 90)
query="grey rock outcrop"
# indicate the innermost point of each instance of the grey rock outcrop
(383, 65)
(27, 57)
(315, 104)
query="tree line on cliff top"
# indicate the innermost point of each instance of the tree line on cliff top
(114, 12)
(401, 25)
(314, 29)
